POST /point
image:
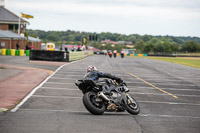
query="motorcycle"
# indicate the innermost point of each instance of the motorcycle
(110, 55)
(115, 55)
(107, 95)
(122, 55)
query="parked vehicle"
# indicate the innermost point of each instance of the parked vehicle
(50, 46)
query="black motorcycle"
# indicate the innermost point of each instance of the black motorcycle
(107, 95)
(122, 55)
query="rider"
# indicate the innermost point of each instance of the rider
(93, 74)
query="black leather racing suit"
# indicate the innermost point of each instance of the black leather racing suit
(95, 75)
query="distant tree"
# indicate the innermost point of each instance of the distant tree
(52, 38)
(146, 38)
(122, 38)
(132, 38)
(174, 47)
(177, 40)
(139, 46)
(146, 43)
(167, 47)
(148, 48)
(154, 41)
(190, 46)
(78, 38)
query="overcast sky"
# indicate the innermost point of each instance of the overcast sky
(152, 17)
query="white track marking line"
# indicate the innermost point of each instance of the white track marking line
(176, 84)
(180, 89)
(151, 88)
(165, 79)
(71, 75)
(56, 88)
(163, 94)
(70, 111)
(127, 83)
(67, 78)
(58, 83)
(62, 97)
(40, 85)
(142, 115)
(63, 78)
(171, 103)
(153, 102)
(170, 116)
(160, 79)
(171, 84)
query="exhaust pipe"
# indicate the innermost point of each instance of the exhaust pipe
(111, 106)
(100, 94)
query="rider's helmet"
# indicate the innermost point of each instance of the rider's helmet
(91, 68)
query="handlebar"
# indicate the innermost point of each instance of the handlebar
(122, 83)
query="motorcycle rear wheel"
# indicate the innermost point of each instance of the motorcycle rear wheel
(133, 108)
(91, 105)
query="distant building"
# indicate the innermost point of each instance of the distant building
(130, 46)
(9, 37)
(93, 49)
(107, 41)
(124, 42)
(129, 51)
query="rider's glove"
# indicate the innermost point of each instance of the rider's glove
(119, 80)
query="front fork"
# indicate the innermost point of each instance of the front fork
(129, 99)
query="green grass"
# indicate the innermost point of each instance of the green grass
(189, 54)
(188, 61)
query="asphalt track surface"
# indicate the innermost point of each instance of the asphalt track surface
(168, 94)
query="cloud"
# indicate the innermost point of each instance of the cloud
(141, 3)
(125, 16)
(127, 9)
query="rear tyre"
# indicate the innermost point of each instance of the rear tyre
(91, 105)
(133, 107)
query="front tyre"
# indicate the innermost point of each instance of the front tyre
(132, 106)
(89, 101)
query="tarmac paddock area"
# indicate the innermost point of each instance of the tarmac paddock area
(18, 76)
(56, 105)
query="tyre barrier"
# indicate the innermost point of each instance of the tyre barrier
(21, 52)
(14, 52)
(3, 51)
(136, 55)
(46, 55)
(27, 52)
(17, 52)
(57, 55)
(7, 51)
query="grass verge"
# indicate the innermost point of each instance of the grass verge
(188, 61)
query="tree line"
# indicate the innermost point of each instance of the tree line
(142, 43)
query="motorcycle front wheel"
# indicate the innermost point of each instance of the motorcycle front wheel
(132, 106)
(90, 103)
